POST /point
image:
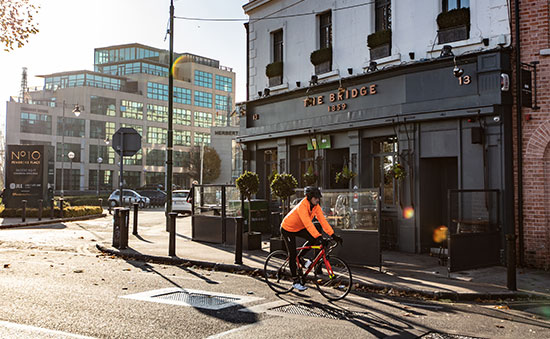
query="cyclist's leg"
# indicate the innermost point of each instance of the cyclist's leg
(310, 240)
(290, 242)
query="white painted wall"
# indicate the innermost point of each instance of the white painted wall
(414, 29)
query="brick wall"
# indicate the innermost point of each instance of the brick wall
(535, 36)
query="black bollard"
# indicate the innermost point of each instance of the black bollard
(100, 202)
(511, 262)
(24, 211)
(172, 237)
(52, 208)
(239, 241)
(124, 216)
(135, 229)
(40, 207)
(116, 228)
(61, 207)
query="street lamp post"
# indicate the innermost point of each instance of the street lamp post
(76, 112)
(71, 157)
(99, 161)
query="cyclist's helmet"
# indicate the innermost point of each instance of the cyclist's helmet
(312, 191)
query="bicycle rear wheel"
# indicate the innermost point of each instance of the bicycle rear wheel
(277, 272)
(337, 285)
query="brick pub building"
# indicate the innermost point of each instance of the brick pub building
(533, 193)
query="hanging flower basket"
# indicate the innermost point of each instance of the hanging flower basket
(310, 177)
(398, 171)
(345, 175)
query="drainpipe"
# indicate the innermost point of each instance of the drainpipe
(247, 60)
(519, 136)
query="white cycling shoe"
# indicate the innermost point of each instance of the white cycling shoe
(299, 287)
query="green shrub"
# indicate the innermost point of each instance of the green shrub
(379, 38)
(274, 69)
(283, 186)
(321, 55)
(248, 184)
(453, 18)
(68, 212)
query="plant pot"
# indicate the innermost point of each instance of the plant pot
(276, 244)
(252, 241)
(380, 52)
(276, 80)
(453, 34)
(323, 67)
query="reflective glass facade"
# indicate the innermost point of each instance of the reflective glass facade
(36, 123)
(106, 56)
(157, 113)
(224, 83)
(156, 135)
(133, 68)
(72, 128)
(102, 106)
(101, 129)
(202, 138)
(131, 109)
(222, 103)
(82, 79)
(203, 99)
(182, 116)
(160, 92)
(203, 79)
(203, 119)
(182, 138)
(156, 157)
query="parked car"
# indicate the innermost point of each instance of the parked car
(157, 197)
(181, 201)
(129, 197)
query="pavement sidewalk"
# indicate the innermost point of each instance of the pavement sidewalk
(402, 273)
(17, 222)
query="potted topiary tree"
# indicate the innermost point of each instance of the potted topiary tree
(379, 44)
(453, 25)
(248, 184)
(274, 71)
(282, 186)
(322, 60)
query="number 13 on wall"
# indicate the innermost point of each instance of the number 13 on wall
(464, 80)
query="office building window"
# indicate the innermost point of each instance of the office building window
(157, 113)
(131, 109)
(36, 123)
(203, 79)
(202, 139)
(107, 153)
(71, 128)
(132, 179)
(156, 135)
(154, 178)
(277, 40)
(71, 179)
(182, 117)
(181, 159)
(222, 103)
(382, 15)
(138, 128)
(203, 119)
(182, 138)
(224, 83)
(63, 156)
(221, 119)
(101, 129)
(160, 92)
(449, 5)
(325, 30)
(105, 180)
(203, 99)
(102, 106)
(136, 159)
(156, 157)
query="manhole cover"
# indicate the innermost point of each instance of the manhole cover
(315, 311)
(194, 298)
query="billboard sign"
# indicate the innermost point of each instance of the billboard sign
(26, 175)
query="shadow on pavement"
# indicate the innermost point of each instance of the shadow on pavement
(37, 227)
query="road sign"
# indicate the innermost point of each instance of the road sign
(127, 138)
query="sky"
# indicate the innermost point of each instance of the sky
(71, 29)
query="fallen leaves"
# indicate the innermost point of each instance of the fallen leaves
(7, 265)
(78, 271)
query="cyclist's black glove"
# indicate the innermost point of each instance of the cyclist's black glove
(337, 238)
(322, 241)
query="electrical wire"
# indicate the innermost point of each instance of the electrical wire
(269, 17)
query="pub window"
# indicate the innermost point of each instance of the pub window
(383, 156)
(449, 5)
(307, 159)
(325, 30)
(277, 38)
(382, 15)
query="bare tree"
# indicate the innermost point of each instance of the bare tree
(17, 23)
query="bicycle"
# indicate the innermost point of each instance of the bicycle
(332, 275)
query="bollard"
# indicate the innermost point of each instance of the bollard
(61, 207)
(124, 215)
(239, 241)
(116, 228)
(511, 262)
(24, 211)
(135, 229)
(100, 202)
(40, 207)
(52, 208)
(172, 237)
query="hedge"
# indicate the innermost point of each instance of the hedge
(86, 200)
(68, 212)
(321, 55)
(274, 69)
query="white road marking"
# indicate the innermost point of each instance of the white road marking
(35, 329)
(238, 329)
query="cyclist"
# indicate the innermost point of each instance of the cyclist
(298, 223)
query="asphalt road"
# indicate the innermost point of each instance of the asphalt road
(55, 284)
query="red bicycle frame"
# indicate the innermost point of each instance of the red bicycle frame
(316, 260)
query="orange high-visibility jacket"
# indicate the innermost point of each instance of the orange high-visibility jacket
(300, 217)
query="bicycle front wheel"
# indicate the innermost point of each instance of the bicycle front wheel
(335, 282)
(277, 272)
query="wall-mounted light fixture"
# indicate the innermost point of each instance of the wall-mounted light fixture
(350, 71)
(314, 80)
(411, 55)
(298, 83)
(447, 51)
(260, 94)
(266, 92)
(372, 67)
(485, 42)
(457, 71)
